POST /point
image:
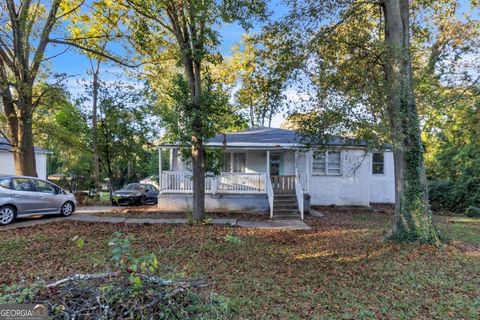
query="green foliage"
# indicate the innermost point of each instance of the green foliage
(232, 239)
(79, 242)
(124, 260)
(452, 137)
(127, 128)
(473, 212)
(217, 116)
(256, 81)
(20, 292)
(61, 128)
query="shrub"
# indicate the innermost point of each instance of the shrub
(456, 195)
(233, 239)
(473, 212)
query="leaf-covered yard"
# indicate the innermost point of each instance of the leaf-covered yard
(342, 268)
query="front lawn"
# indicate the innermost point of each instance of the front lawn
(341, 269)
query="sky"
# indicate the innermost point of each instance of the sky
(75, 65)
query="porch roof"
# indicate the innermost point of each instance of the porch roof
(263, 137)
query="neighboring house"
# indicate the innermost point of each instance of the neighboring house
(7, 164)
(150, 180)
(269, 170)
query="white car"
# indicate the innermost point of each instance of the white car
(27, 196)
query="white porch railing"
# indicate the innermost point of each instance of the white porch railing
(181, 182)
(299, 193)
(270, 194)
(241, 182)
(176, 181)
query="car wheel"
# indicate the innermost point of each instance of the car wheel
(142, 201)
(67, 209)
(7, 215)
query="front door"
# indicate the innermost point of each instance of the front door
(276, 164)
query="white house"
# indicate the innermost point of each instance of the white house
(269, 170)
(7, 164)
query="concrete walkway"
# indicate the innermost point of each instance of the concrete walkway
(81, 215)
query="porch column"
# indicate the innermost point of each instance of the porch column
(160, 169)
(308, 159)
(296, 163)
(170, 162)
(268, 163)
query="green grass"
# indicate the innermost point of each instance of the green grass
(460, 228)
(341, 269)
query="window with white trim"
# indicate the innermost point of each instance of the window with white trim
(378, 163)
(234, 162)
(334, 163)
(226, 164)
(327, 163)
(318, 163)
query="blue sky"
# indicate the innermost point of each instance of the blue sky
(76, 65)
(73, 62)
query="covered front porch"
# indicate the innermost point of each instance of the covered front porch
(253, 176)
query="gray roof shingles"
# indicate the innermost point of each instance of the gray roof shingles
(264, 135)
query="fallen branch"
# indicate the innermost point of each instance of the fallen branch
(78, 277)
(194, 283)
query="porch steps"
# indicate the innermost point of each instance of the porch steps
(285, 206)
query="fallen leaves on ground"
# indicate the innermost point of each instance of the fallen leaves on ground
(341, 268)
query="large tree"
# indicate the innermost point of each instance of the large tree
(186, 31)
(413, 218)
(257, 81)
(25, 28)
(353, 60)
(92, 31)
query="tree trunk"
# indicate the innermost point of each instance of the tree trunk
(21, 133)
(198, 168)
(23, 149)
(413, 216)
(198, 149)
(96, 157)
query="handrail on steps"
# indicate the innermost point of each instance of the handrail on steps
(269, 189)
(299, 194)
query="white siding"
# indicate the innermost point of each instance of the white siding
(356, 186)
(350, 188)
(302, 162)
(7, 164)
(41, 161)
(256, 161)
(382, 186)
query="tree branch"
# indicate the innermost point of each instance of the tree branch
(101, 54)
(47, 28)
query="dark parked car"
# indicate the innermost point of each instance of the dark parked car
(135, 193)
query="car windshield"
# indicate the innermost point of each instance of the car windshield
(134, 186)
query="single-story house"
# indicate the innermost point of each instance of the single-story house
(269, 170)
(7, 163)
